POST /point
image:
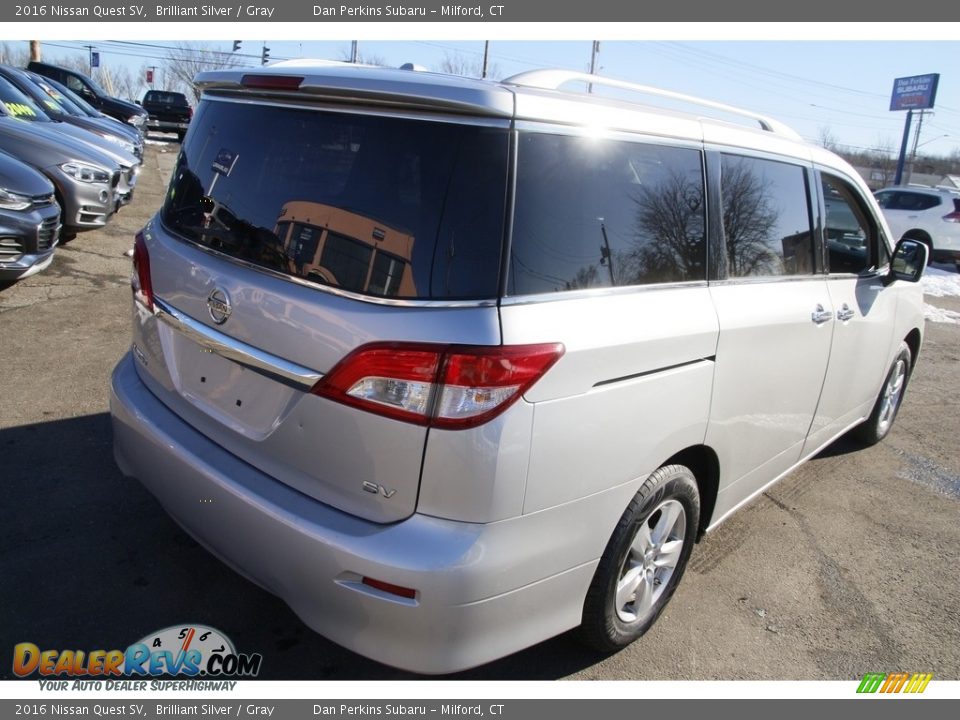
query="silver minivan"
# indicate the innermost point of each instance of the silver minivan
(454, 366)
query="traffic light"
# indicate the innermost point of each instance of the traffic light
(264, 55)
(236, 45)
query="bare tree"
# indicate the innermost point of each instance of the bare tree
(669, 234)
(826, 138)
(749, 215)
(884, 158)
(107, 76)
(458, 64)
(187, 59)
(126, 83)
(16, 54)
(364, 59)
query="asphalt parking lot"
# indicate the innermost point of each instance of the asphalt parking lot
(850, 565)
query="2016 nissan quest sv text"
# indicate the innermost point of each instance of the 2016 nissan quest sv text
(454, 366)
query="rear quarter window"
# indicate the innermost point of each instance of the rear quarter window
(593, 213)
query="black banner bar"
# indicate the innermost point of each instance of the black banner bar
(409, 709)
(325, 11)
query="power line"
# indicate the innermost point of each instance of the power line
(773, 73)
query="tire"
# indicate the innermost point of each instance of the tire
(876, 427)
(643, 561)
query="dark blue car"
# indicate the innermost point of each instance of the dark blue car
(29, 220)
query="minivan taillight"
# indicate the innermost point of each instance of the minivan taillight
(955, 215)
(140, 280)
(443, 386)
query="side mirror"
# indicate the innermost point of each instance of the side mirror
(909, 260)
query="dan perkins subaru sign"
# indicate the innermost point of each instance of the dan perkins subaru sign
(917, 92)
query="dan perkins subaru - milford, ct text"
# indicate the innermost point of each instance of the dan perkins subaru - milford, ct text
(476, 11)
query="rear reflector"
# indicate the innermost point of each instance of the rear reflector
(443, 386)
(140, 280)
(271, 82)
(390, 588)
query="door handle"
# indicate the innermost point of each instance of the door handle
(845, 313)
(820, 316)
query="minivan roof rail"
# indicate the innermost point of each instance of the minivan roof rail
(555, 78)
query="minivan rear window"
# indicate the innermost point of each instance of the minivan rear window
(377, 205)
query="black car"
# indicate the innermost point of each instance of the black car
(92, 93)
(29, 220)
(168, 111)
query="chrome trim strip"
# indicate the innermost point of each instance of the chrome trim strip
(211, 340)
(655, 371)
(371, 299)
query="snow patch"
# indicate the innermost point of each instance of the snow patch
(940, 283)
(935, 314)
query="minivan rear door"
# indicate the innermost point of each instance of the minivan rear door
(776, 324)
(290, 237)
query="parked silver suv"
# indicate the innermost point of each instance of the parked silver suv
(454, 366)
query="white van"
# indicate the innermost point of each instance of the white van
(454, 366)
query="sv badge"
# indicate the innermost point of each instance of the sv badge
(376, 489)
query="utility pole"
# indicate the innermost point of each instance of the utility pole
(90, 49)
(903, 148)
(593, 62)
(913, 152)
(486, 53)
(35, 51)
(354, 51)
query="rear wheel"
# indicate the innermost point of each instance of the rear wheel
(878, 425)
(643, 561)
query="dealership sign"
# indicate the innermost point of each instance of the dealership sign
(917, 92)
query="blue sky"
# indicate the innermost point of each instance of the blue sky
(840, 85)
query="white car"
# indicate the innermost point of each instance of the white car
(930, 215)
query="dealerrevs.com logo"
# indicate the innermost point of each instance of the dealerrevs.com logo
(184, 650)
(887, 683)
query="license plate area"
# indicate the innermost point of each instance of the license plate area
(240, 398)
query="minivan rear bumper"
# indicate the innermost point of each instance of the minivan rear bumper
(480, 593)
